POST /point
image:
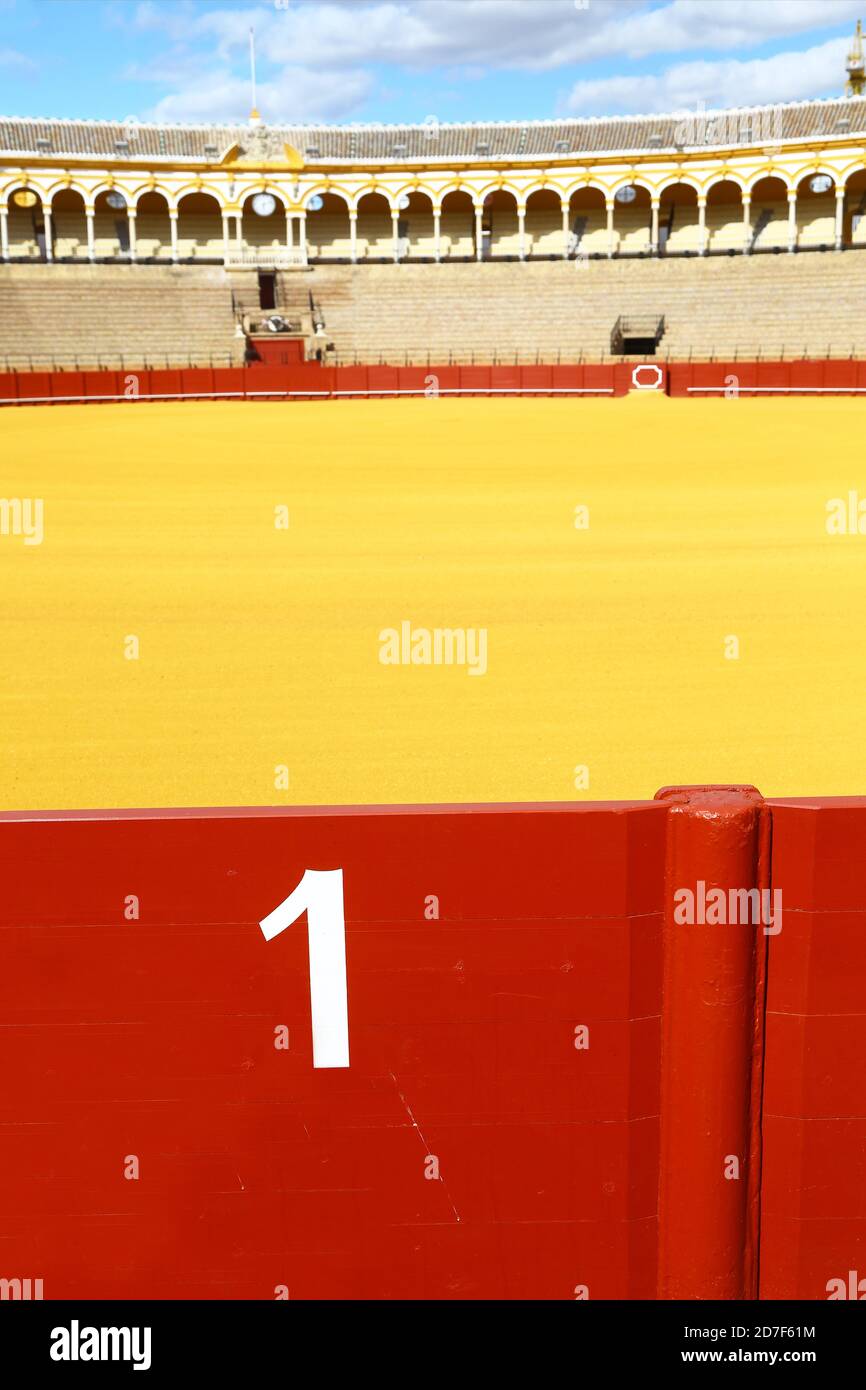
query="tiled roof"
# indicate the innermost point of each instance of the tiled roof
(319, 144)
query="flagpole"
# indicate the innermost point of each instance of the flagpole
(254, 114)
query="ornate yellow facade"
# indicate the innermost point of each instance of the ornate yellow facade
(780, 178)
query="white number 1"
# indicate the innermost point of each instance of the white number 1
(320, 895)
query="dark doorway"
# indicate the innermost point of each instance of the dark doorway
(267, 289)
(643, 347)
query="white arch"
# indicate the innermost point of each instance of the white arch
(189, 190)
(137, 194)
(544, 186)
(105, 187)
(66, 185)
(12, 186)
(367, 191)
(480, 196)
(715, 179)
(250, 190)
(578, 185)
(462, 188)
(411, 188)
(777, 174)
(811, 170)
(322, 189)
(631, 180)
(675, 179)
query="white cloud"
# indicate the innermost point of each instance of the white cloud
(419, 34)
(319, 60)
(297, 95)
(533, 35)
(788, 76)
(717, 25)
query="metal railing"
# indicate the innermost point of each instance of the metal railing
(113, 362)
(542, 356)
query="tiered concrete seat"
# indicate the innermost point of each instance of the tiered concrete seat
(105, 314)
(749, 305)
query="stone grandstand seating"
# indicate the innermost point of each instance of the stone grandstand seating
(87, 315)
(761, 305)
(749, 305)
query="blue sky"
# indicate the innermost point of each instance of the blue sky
(407, 60)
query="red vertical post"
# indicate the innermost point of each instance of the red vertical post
(712, 1043)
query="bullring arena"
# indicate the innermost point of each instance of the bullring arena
(436, 532)
(716, 254)
(454, 511)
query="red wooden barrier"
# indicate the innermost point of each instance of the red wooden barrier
(351, 381)
(597, 378)
(475, 380)
(197, 381)
(266, 382)
(446, 378)
(382, 379)
(165, 383)
(766, 378)
(415, 379)
(813, 1222)
(558, 1082)
(69, 385)
(712, 1047)
(506, 379)
(278, 351)
(538, 379)
(309, 380)
(229, 381)
(34, 385)
(496, 1131)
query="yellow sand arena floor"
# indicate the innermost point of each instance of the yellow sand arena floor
(259, 647)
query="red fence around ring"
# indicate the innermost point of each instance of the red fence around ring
(552, 1084)
(828, 377)
(310, 381)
